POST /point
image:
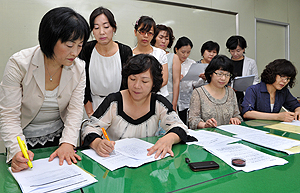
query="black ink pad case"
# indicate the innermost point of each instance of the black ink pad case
(239, 162)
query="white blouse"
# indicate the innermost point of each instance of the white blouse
(48, 119)
(105, 76)
(186, 87)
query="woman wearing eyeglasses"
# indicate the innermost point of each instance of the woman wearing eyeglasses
(265, 99)
(215, 104)
(144, 29)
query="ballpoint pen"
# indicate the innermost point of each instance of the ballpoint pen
(24, 151)
(284, 109)
(104, 133)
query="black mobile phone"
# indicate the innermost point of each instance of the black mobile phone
(201, 166)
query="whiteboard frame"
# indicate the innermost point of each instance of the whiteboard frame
(199, 8)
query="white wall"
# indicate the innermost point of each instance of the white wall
(20, 19)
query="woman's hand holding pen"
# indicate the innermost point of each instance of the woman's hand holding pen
(19, 162)
(103, 147)
(65, 152)
(286, 116)
(164, 145)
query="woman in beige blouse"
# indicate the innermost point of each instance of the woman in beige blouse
(215, 104)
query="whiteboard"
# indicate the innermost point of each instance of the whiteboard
(20, 21)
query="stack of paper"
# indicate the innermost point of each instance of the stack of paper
(206, 138)
(255, 160)
(130, 152)
(262, 138)
(271, 141)
(238, 129)
(291, 127)
(48, 176)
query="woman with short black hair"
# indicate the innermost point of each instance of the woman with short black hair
(41, 93)
(163, 37)
(215, 104)
(208, 51)
(265, 100)
(242, 65)
(136, 111)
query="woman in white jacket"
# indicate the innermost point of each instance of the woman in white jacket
(41, 93)
(242, 65)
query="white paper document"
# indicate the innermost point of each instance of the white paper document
(130, 152)
(207, 138)
(271, 141)
(48, 176)
(294, 122)
(195, 70)
(255, 160)
(239, 129)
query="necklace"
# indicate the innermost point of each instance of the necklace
(50, 74)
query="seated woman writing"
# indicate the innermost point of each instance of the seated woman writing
(215, 104)
(264, 100)
(136, 111)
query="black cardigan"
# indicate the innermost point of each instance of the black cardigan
(125, 53)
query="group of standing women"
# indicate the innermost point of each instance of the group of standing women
(44, 88)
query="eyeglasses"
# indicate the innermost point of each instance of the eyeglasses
(149, 33)
(285, 78)
(222, 74)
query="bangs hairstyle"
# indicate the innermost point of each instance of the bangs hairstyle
(141, 63)
(182, 41)
(219, 62)
(101, 10)
(169, 33)
(281, 67)
(210, 45)
(235, 41)
(63, 24)
(146, 23)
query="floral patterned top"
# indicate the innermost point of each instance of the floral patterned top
(203, 107)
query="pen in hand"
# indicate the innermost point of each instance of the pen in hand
(24, 151)
(104, 133)
(106, 136)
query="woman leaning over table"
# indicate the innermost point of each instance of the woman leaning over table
(104, 59)
(136, 111)
(265, 99)
(215, 104)
(144, 29)
(41, 93)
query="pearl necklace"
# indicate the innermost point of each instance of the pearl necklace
(50, 74)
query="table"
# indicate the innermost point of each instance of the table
(173, 174)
